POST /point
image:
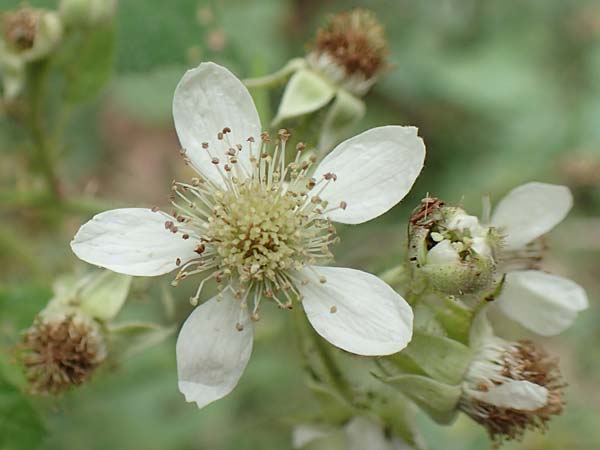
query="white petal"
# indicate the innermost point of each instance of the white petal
(522, 395)
(374, 170)
(304, 434)
(531, 210)
(442, 253)
(546, 304)
(211, 353)
(362, 434)
(356, 311)
(208, 99)
(132, 241)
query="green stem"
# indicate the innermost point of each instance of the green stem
(42, 146)
(334, 374)
(277, 78)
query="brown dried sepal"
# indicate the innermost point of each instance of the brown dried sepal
(20, 27)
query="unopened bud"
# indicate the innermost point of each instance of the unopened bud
(61, 350)
(31, 33)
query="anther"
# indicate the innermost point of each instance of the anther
(205, 145)
(155, 209)
(215, 160)
(239, 327)
(343, 205)
(322, 279)
(220, 136)
(333, 309)
(300, 146)
(226, 130)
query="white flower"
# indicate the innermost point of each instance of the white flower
(259, 228)
(360, 433)
(546, 304)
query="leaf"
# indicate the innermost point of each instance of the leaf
(90, 63)
(20, 426)
(437, 399)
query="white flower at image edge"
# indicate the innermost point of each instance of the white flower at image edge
(219, 129)
(544, 303)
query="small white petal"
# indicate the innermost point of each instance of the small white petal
(362, 434)
(132, 241)
(356, 311)
(207, 99)
(522, 395)
(531, 210)
(442, 253)
(211, 353)
(546, 304)
(304, 434)
(374, 170)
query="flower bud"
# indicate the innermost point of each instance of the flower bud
(32, 34)
(87, 13)
(451, 249)
(350, 50)
(61, 350)
(511, 387)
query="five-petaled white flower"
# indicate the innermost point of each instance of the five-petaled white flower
(544, 303)
(260, 226)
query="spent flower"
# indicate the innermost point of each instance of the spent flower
(260, 226)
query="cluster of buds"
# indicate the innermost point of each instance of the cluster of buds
(451, 249)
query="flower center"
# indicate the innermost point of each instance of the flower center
(255, 232)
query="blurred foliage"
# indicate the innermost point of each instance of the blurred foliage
(503, 93)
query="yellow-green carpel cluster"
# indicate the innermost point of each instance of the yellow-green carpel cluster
(261, 227)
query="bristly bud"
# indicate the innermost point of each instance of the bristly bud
(61, 350)
(451, 249)
(350, 50)
(512, 387)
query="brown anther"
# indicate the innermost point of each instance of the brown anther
(265, 137)
(227, 168)
(178, 262)
(343, 205)
(226, 130)
(311, 183)
(313, 158)
(250, 139)
(200, 249)
(155, 209)
(185, 236)
(316, 199)
(231, 151)
(333, 309)
(239, 147)
(283, 134)
(215, 160)
(220, 136)
(174, 229)
(205, 145)
(168, 225)
(300, 146)
(239, 327)
(330, 176)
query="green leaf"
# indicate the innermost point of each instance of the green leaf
(90, 63)
(305, 93)
(441, 358)
(437, 399)
(20, 426)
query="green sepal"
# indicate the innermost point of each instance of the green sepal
(438, 400)
(104, 296)
(306, 92)
(344, 113)
(441, 358)
(455, 317)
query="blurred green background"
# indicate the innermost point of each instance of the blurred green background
(503, 92)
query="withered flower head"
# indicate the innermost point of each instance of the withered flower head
(20, 27)
(62, 350)
(512, 387)
(351, 49)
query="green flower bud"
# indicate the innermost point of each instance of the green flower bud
(451, 249)
(87, 13)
